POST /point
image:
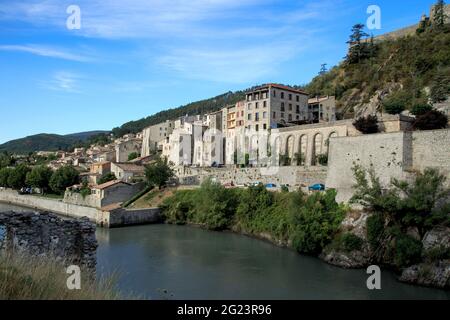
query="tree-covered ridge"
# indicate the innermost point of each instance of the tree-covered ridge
(415, 68)
(194, 108)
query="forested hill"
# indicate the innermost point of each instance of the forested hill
(195, 108)
(393, 74)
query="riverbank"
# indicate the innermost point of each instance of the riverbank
(317, 225)
(107, 217)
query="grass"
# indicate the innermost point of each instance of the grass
(36, 278)
(153, 198)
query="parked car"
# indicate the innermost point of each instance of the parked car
(271, 185)
(317, 187)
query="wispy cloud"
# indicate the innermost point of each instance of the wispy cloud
(65, 81)
(45, 52)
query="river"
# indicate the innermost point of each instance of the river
(181, 262)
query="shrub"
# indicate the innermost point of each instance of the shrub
(107, 177)
(175, 209)
(367, 125)
(133, 155)
(158, 173)
(432, 120)
(350, 242)
(316, 222)
(437, 253)
(396, 102)
(375, 228)
(322, 159)
(408, 251)
(420, 109)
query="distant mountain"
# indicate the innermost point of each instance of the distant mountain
(48, 142)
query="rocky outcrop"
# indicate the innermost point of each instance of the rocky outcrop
(435, 271)
(354, 223)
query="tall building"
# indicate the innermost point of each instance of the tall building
(322, 109)
(274, 105)
(152, 135)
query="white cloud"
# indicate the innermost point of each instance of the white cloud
(45, 52)
(65, 81)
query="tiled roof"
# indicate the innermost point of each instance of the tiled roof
(109, 184)
(279, 86)
(130, 167)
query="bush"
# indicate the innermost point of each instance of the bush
(408, 251)
(317, 222)
(107, 177)
(322, 159)
(396, 102)
(4, 175)
(132, 156)
(350, 242)
(375, 228)
(432, 120)
(420, 109)
(437, 253)
(367, 125)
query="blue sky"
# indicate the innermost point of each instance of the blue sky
(133, 58)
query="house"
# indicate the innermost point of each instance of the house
(101, 168)
(128, 172)
(125, 148)
(322, 109)
(152, 135)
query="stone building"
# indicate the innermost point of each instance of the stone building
(273, 105)
(322, 109)
(125, 148)
(152, 135)
(127, 172)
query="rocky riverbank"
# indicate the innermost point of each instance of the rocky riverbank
(432, 270)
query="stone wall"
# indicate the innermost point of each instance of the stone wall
(47, 234)
(392, 155)
(292, 175)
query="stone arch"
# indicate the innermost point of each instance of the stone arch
(331, 135)
(316, 147)
(302, 149)
(289, 150)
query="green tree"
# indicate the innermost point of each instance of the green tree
(63, 178)
(39, 177)
(17, 177)
(358, 48)
(107, 177)
(133, 156)
(440, 87)
(4, 175)
(158, 173)
(397, 102)
(439, 15)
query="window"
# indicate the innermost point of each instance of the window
(282, 115)
(242, 113)
(290, 117)
(298, 117)
(249, 106)
(249, 117)
(257, 116)
(297, 98)
(265, 126)
(274, 115)
(282, 106)
(282, 95)
(264, 115)
(274, 93)
(257, 127)
(256, 105)
(290, 96)
(265, 104)
(297, 109)
(290, 106)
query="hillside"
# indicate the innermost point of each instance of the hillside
(410, 70)
(47, 142)
(195, 108)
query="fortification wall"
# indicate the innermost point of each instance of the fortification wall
(392, 155)
(47, 234)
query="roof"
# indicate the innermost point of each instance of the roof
(103, 163)
(109, 184)
(319, 99)
(130, 167)
(279, 86)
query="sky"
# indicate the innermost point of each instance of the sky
(131, 59)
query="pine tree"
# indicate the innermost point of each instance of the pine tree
(357, 48)
(439, 14)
